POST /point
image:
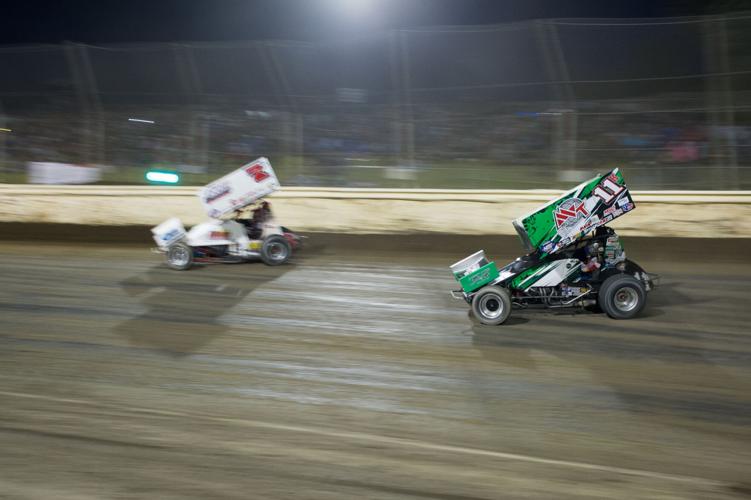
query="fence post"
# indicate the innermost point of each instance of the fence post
(728, 103)
(710, 97)
(555, 62)
(101, 130)
(74, 66)
(407, 99)
(191, 82)
(300, 142)
(3, 141)
(285, 96)
(88, 97)
(396, 96)
(720, 103)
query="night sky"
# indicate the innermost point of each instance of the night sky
(107, 21)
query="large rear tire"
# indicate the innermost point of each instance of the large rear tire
(275, 250)
(491, 305)
(179, 256)
(622, 296)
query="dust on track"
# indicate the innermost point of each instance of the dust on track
(353, 373)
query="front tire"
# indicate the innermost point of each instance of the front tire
(275, 251)
(622, 296)
(179, 256)
(491, 305)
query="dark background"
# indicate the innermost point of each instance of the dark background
(93, 21)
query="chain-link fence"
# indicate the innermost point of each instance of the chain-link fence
(524, 105)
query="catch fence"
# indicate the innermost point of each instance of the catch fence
(525, 105)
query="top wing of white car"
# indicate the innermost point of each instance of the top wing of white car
(239, 189)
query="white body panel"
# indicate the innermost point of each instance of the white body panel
(213, 233)
(216, 232)
(168, 232)
(271, 227)
(469, 264)
(556, 272)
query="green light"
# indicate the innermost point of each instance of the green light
(162, 177)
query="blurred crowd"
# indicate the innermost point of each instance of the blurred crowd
(222, 137)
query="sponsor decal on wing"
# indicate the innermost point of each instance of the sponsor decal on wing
(216, 191)
(570, 212)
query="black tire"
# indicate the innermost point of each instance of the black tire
(622, 296)
(491, 305)
(179, 256)
(275, 251)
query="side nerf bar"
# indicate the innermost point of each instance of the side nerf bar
(653, 280)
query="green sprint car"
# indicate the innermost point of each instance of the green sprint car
(574, 260)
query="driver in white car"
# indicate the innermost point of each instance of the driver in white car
(254, 223)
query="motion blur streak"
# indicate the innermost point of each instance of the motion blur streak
(400, 442)
(353, 374)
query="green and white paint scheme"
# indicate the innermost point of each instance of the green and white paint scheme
(575, 213)
(474, 272)
(551, 228)
(479, 278)
(547, 274)
(550, 273)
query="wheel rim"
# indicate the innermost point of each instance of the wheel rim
(277, 251)
(491, 306)
(179, 256)
(626, 299)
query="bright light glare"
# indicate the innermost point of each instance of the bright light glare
(139, 120)
(5, 130)
(355, 7)
(166, 177)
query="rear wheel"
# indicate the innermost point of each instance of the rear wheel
(179, 256)
(275, 250)
(491, 305)
(622, 296)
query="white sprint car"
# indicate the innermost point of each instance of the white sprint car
(241, 226)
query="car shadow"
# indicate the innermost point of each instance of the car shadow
(649, 358)
(184, 308)
(669, 294)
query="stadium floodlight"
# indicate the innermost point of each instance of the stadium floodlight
(141, 120)
(5, 130)
(355, 8)
(162, 177)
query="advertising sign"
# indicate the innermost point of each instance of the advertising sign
(61, 173)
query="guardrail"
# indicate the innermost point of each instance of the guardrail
(365, 210)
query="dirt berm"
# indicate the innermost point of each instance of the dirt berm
(691, 249)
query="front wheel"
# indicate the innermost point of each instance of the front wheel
(491, 305)
(179, 256)
(622, 296)
(275, 251)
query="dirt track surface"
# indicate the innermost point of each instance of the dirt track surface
(353, 374)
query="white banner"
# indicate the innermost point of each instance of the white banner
(61, 173)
